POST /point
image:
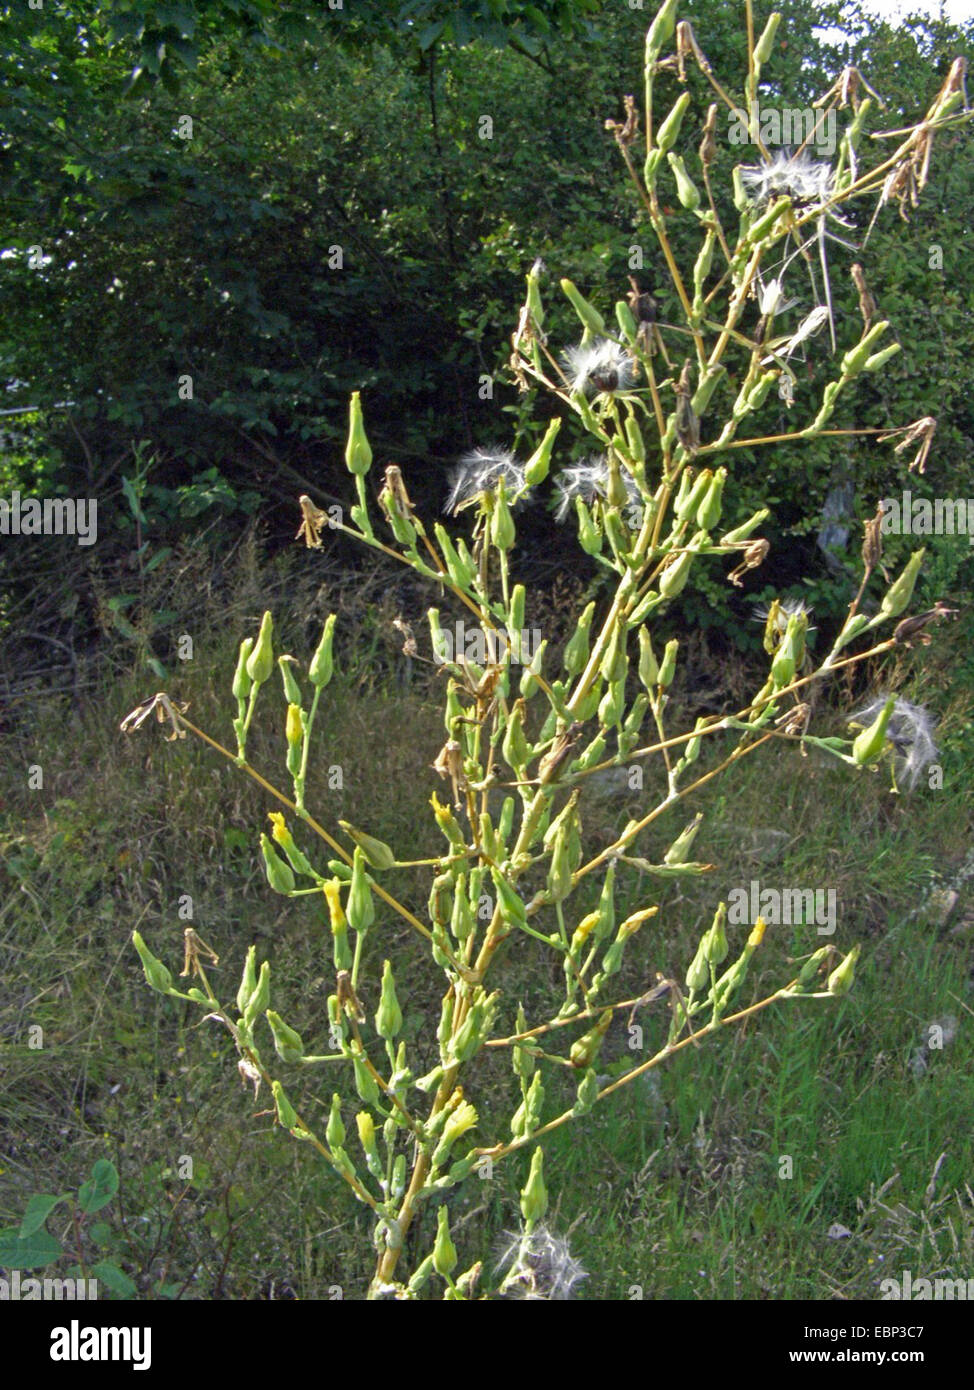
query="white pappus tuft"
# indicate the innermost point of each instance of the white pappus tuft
(771, 299)
(601, 365)
(589, 480)
(480, 471)
(798, 176)
(787, 608)
(910, 731)
(539, 1265)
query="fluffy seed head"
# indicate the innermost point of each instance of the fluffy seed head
(480, 471)
(787, 608)
(910, 730)
(798, 176)
(538, 1266)
(589, 480)
(599, 366)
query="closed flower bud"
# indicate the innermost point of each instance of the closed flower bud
(586, 1048)
(589, 536)
(762, 49)
(560, 872)
(521, 1059)
(708, 513)
(634, 719)
(614, 661)
(280, 875)
(670, 129)
(445, 1025)
(241, 680)
(462, 1119)
(377, 853)
(260, 998)
(686, 189)
(260, 663)
(634, 438)
(292, 691)
(287, 1041)
(335, 1130)
(462, 922)
(514, 745)
(842, 977)
(869, 745)
(855, 359)
(811, 968)
(577, 648)
(613, 704)
(701, 268)
(587, 1094)
(444, 1251)
(365, 1083)
(593, 753)
(536, 468)
(698, 973)
(157, 975)
(764, 224)
(686, 503)
(673, 579)
(286, 1115)
(717, 946)
(692, 751)
(534, 1195)
(527, 1117)
(679, 850)
(388, 1018)
(591, 319)
(461, 570)
(248, 982)
(786, 657)
(293, 729)
(648, 666)
(901, 591)
(359, 908)
(661, 29)
(667, 668)
(515, 616)
(358, 453)
(879, 359)
(511, 906)
(616, 493)
(322, 664)
(442, 649)
(502, 530)
(746, 529)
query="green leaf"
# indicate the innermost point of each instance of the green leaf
(158, 558)
(31, 1253)
(101, 1187)
(126, 628)
(430, 34)
(100, 1232)
(38, 1210)
(113, 1278)
(132, 498)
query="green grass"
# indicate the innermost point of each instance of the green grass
(676, 1186)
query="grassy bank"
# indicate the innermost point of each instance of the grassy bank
(794, 1157)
